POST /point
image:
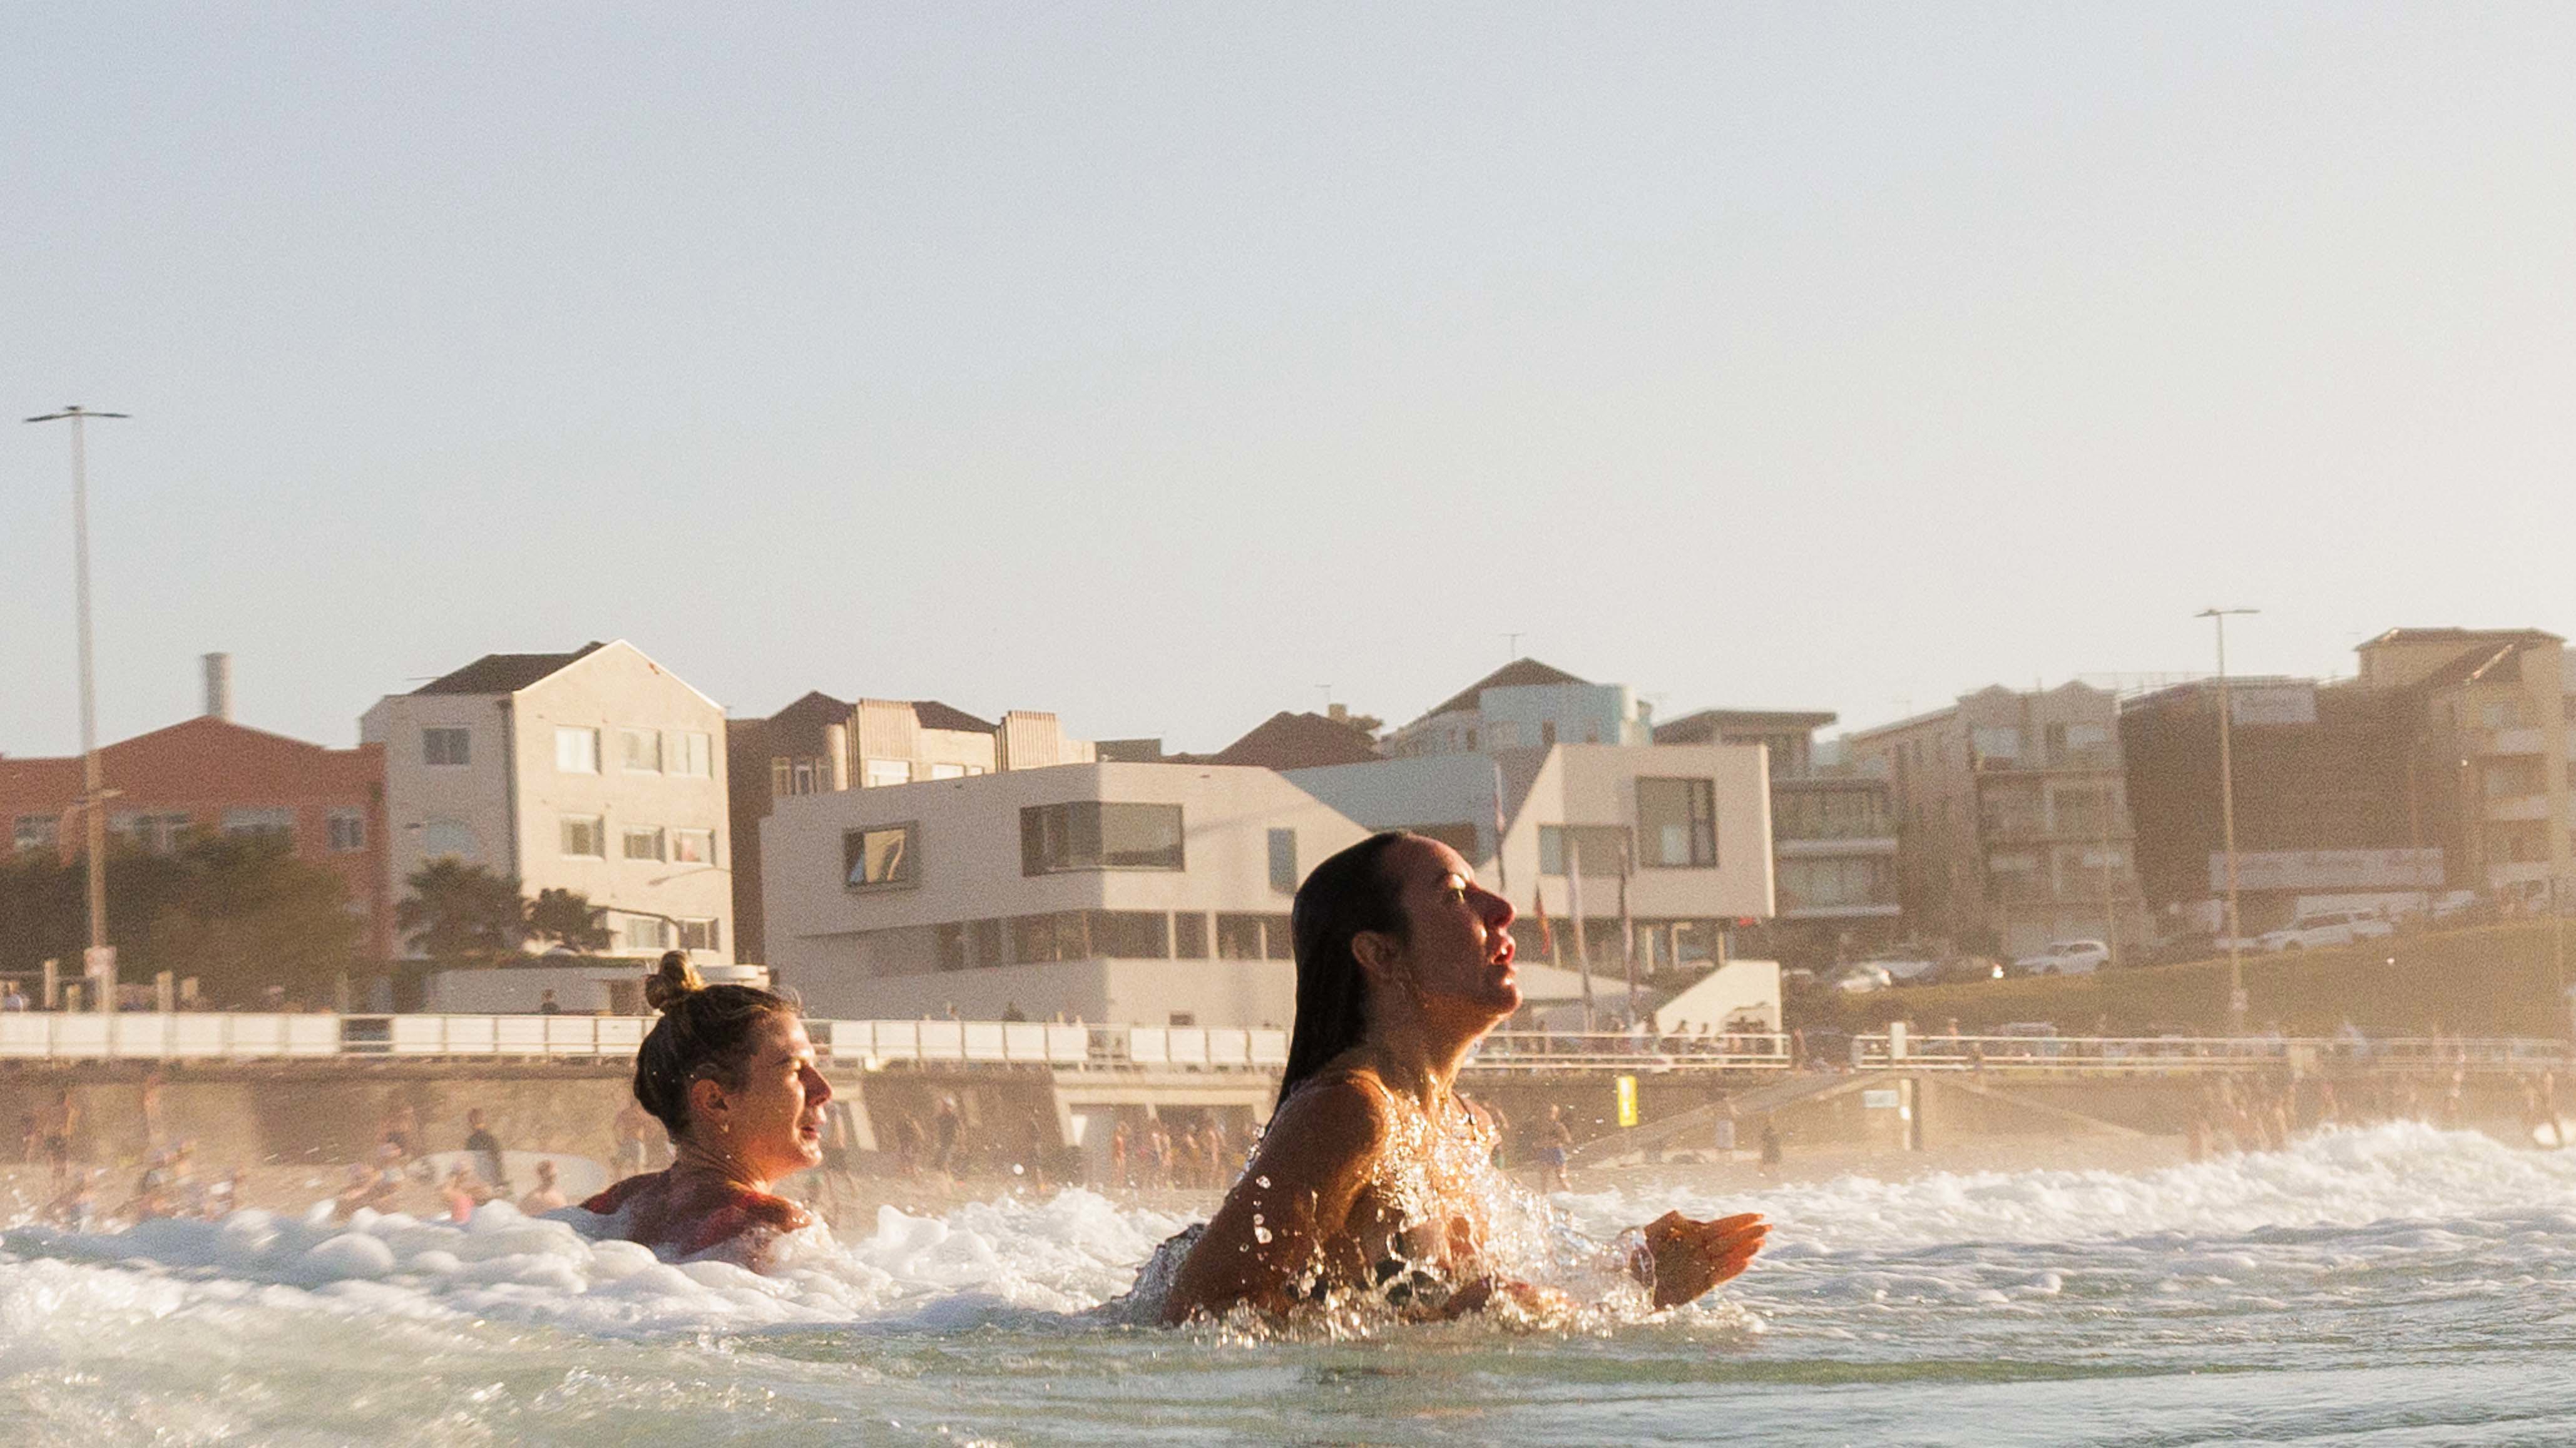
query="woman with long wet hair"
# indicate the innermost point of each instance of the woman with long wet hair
(1371, 1175)
(730, 1074)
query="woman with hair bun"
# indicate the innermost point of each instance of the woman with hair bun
(729, 1072)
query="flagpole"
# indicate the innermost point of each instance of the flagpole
(1574, 911)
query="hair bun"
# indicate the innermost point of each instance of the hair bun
(671, 983)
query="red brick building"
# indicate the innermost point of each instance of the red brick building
(210, 775)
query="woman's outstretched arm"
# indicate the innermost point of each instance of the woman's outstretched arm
(1288, 1216)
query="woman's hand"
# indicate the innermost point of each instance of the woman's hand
(1690, 1257)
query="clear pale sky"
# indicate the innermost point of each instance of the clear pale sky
(1158, 366)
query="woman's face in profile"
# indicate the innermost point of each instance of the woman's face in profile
(1458, 947)
(777, 1115)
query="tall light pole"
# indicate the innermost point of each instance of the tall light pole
(2227, 824)
(100, 966)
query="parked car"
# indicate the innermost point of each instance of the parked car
(1909, 968)
(2326, 928)
(2065, 957)
(1863, 978)
(1960, 969)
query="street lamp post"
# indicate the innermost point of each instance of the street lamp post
(2227, 825)
(98, 964)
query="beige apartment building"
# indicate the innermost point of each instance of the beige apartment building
(820, 745)
(2492, 706)
(597, 771)
(2013, 825)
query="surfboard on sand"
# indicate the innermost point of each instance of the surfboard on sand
(577, 1177)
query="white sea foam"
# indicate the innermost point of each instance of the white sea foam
(2420, 1188)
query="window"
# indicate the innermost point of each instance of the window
(643, 842)
(693, 847)
(646, 933)
(577, 751)
(948, 771)
(1601, 848)
(782, 778)
(441, 839)
(260, 820)
(1189, 935)
(879, 855)
(1822, 884)
(642, 749)
(583, 835)
(2003, 743)
(1677, 823)
(888, 771)
(1253, 937)
(698, 935)
(2502, 714)
(159, 833)
(1283, 861)
(1099, 835)
(693, 754)
(37, 831)
(348, 829)
(446, 746)
(1503, 734)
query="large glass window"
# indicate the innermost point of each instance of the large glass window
(1253, 937)
(1190, 935)
(1677, 823)
(693, 847)
(878, 773)
(577, 751)
(879, 855)
(446, 746)
(643, 842)
(1098, 835)
(585, 836)
(1602, 848)
(698, 935)
(647, 933)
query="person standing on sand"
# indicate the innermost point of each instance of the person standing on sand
(1771, 1152)
(1555, 1149)
(1118, 1158)
(943, 1131)
(55, 1128)
(485, 1148)
(633, 1126)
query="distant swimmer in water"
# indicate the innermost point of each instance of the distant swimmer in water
(729, 1072)
(1372, 1177)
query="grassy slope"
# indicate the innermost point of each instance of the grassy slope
(2496, 980)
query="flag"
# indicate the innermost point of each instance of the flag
(1546, 936)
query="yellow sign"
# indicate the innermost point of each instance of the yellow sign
(1627, 1100)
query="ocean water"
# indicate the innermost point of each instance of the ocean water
(2393, 1285)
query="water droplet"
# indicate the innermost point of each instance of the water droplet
(1261, 1235)
(1261, 1181)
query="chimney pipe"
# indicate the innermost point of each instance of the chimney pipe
(219, 687)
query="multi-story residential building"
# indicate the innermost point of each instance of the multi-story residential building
(597, 771)
(1155, 891)
(1833, 837)
(2443, 764)
(209, 775)
(2012, 826)
(1526, 704)
(819, 745)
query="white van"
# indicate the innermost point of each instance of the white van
(2327, 928)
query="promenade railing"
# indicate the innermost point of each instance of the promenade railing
(209, 1036)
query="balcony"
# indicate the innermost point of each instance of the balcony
(1835, 845)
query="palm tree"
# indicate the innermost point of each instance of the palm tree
(457, 911)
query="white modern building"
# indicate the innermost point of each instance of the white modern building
(1526, 704)
(597, 771)
(1159, 893)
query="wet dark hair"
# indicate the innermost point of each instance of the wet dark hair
(705, 1031)
(1345, 895)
